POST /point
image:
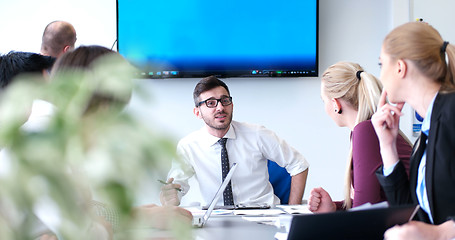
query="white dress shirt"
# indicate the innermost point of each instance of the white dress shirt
(248, 145)
(40, 116)
(44, 218)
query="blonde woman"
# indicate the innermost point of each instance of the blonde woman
(418, 68)
(350, 97)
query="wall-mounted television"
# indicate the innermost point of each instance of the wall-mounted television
(226, 38)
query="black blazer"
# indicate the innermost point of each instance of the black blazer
(440, 166)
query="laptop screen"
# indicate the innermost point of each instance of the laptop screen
(219, 192)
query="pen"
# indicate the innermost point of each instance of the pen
(166, 183)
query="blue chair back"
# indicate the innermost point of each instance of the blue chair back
(280, 180)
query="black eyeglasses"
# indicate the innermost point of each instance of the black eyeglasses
(212, 103)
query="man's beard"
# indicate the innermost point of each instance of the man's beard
(224, 125)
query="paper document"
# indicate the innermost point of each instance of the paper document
(285, 221)
(365, 206)
(197, 211)
(295, 209)
(259, 212)
(280, 221)
(273, 221)
(281, 235)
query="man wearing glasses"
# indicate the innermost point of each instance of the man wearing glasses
(201, 155)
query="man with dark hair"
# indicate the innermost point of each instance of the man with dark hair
(233, 142)
(14, 63)
(58, 38)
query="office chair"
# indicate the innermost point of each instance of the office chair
(280, 180)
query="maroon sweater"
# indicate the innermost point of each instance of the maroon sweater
(366, 158)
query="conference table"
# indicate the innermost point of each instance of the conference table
(234, 227)
(249, 224)
(239, 225)
(275, 223)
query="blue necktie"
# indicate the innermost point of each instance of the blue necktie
(227, 194)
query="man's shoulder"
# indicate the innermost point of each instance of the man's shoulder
(40, 115)
(192, 137)
(253, 132)
(245, 126)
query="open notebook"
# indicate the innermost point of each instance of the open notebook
(199, 221)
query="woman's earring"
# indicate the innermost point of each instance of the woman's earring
(339, 112)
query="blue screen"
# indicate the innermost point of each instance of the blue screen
(230, 38)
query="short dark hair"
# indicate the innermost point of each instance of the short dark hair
(14, 63)
(207, 84)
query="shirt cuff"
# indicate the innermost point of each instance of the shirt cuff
(389, 170)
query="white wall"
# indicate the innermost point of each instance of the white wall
(349, 30)
(437, 13)
(22, 22)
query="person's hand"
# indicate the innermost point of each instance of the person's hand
(320, 201)
(386, 120)
(163, 217)
(419, 230)
(168, 195)
(386, 125)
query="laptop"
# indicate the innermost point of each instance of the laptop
(199, 221)
(361, 224)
